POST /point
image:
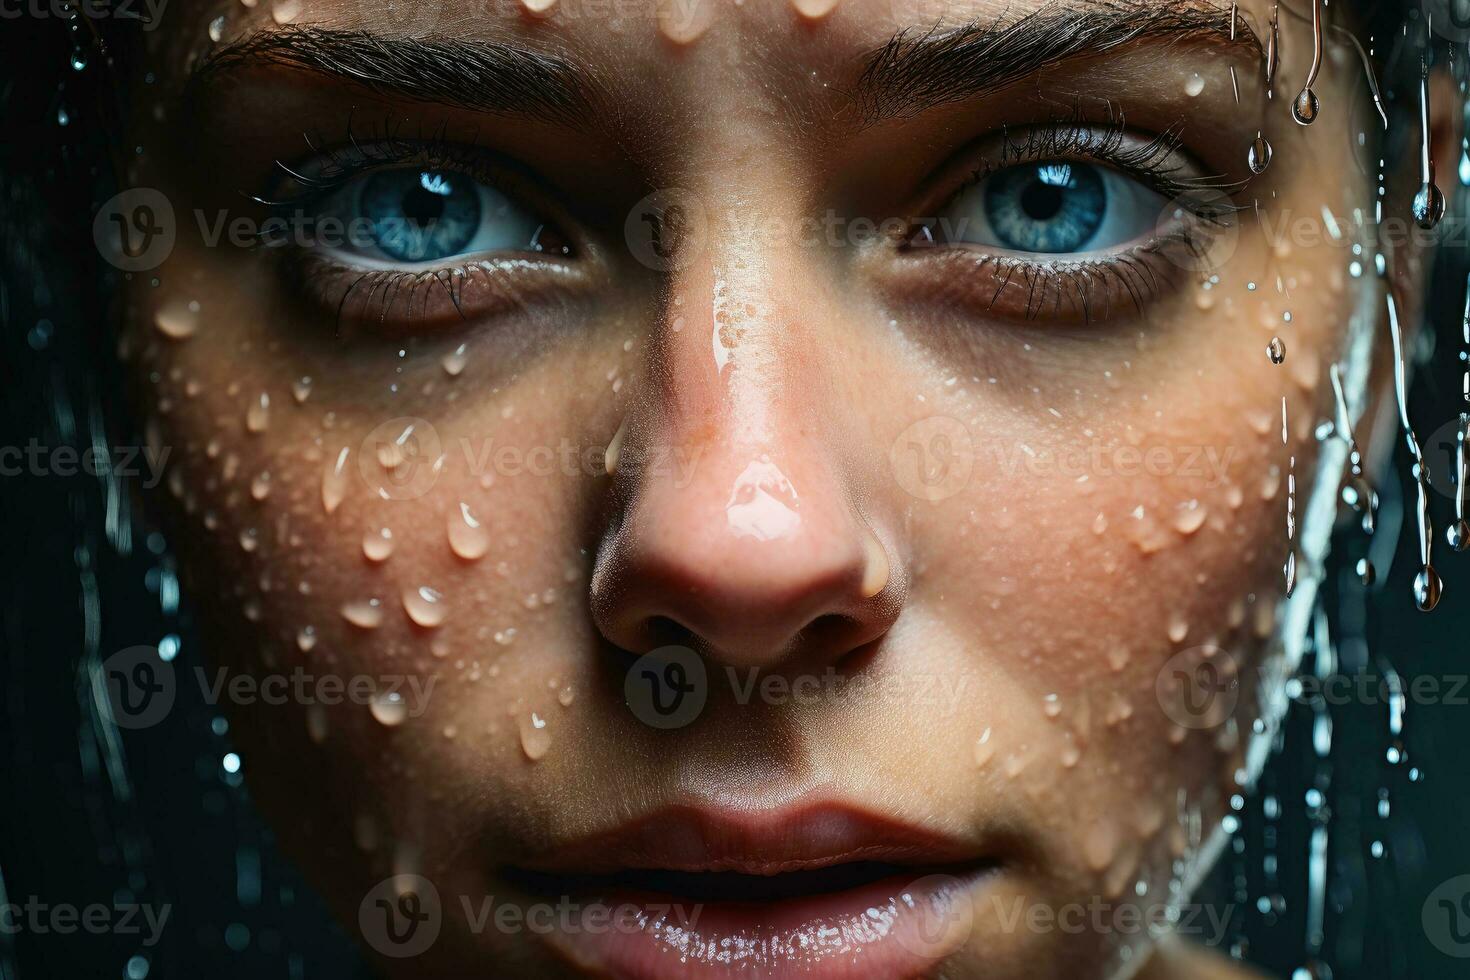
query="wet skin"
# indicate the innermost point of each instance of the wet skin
(974, 505)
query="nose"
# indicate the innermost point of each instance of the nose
(739, 531)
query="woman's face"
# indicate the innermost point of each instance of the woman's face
(908, 390)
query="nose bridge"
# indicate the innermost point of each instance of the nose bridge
(756, 538)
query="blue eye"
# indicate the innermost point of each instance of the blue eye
(1052, 207)
(413, 215)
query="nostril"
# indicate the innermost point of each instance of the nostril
(663, 631)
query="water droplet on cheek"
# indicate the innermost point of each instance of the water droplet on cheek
(365, 614)
(388, 708)
(334, 482)
(535, 737)
(468, 538)
(425, 606)
(378, 544)
(454, 362)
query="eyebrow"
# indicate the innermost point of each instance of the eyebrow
(481, 76)
(918, 71)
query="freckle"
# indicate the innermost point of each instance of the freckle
(425, 606)
(258, 415)
(363, 613)
(814, 9)
(377, 544)
(685, 21)
(468, 538)
(306, 638)
(177, 319)
(334, 482)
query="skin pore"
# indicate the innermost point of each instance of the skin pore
(975, 506)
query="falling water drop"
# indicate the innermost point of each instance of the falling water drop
(1428, 207)
(388, 708)
(566, 696)
(1305, 107)
(1273, 50)
(535, 738)
(1427, 588)
(1458, 535)
(363, 613)
(1259, 156)
(1276, 350)
(425, 606)
(377, 545)
(468, 538)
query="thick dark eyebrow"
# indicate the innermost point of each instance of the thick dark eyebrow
(481, 76)
(920, 70)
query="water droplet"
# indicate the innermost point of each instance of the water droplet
(1289, 571)
(217, 29)
(334, 481)
(1428, 206)
(1100, 523)
(614, 449)
(1178, 628)
(316, 723)
(285, 11)
(468, 538)
(1194, 86)
(306, 638)
(258, 415)
(1305, 108)
(377, 545)
(1276, 350)
(1259, 156)
(363, 613)
(535, 738)
(249, 540)
(685, 22)
(1366, 572)
(455, 360)
(566, 696)
(875, 572)
(388, 708)
(1458, 535)
(301, 389)
(260, 487)
(1427, 588)
(1191, 517)
(177, 319)
(984, 748)
(425, 606)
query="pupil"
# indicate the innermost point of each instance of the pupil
(1041, 201)
(421, 207)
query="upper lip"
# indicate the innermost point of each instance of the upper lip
(694, 838)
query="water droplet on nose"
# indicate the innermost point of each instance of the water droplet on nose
(875, 572)
(1289, 572)
(377, 545)
(306, 639)
(177, 319)
(454, 361)
(388, 708)
(1100, 524)
(1276, 350)
(468, 538)
(1427, 588)
(425, 606)
(1259, 156)
(363, 613)
(258, 415)
(1304, 109)
(1458, 535)
(1428, 206)
(535, 737)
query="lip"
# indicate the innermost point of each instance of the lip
(824, 890)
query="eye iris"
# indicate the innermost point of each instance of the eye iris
(1046, 207)
(420, 215)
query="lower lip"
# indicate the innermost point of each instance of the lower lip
(899, 926)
